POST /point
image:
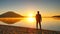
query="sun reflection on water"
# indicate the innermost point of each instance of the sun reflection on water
(31, 20)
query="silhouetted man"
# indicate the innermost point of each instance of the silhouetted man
(38, 20)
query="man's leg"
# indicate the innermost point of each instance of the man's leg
(37, 25)
(40, 25)
(40, 28)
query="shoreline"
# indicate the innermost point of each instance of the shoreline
(14, 29)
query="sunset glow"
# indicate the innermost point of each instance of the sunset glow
(24, 13)
(31, 19)
(30, 15)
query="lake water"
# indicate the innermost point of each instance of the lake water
(47, 23)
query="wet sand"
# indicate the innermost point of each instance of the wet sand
(5, 29)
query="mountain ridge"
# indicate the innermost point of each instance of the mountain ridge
(10, 14)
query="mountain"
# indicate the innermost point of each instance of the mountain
(10, 17)
(5, 29)
(58, 16)
(10, 14)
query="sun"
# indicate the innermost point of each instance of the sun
(31, 18)
(30, 15)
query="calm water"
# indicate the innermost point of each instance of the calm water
(47, 23)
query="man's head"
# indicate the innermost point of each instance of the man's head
(37, 12)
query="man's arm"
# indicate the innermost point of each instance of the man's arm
(41, 18)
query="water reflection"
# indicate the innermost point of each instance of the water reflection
(56, 18)
(30, 19)
(47, 23)
(10, 20)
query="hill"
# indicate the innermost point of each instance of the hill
(58, 16)
(5, 29)
(10, 14)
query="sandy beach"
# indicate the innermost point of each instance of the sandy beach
(5, 29)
